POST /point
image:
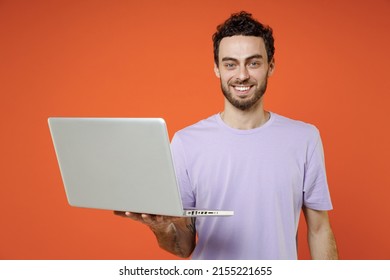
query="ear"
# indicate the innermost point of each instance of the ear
(216, 71)
(271, 67)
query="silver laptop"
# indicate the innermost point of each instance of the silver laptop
(122, 164)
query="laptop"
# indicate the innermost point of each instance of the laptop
(120, 164)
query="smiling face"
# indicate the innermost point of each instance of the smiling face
(243, 69)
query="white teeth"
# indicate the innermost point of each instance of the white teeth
(242, 88)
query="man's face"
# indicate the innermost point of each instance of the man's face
(243, 70)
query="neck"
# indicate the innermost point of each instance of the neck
(250, 119)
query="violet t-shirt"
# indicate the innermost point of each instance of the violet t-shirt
(264, 175)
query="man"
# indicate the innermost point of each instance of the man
(263, 166)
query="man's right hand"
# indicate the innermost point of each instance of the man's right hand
(155, 222)
(174, 234)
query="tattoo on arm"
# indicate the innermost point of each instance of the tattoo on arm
(191, 226)
(188, 247)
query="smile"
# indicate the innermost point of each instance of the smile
(242, 88)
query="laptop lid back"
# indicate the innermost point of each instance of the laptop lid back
(122, 164)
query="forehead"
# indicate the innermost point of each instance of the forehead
(241, 47)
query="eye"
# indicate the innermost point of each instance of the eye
(230, 66)
(254, 64)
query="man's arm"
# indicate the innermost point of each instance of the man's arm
(174, 234)
(322, 243)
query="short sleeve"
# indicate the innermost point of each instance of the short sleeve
(316, 191)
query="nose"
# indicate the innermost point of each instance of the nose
(243, 75)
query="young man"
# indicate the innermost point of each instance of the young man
(265, 167)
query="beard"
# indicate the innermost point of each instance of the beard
(244, 104)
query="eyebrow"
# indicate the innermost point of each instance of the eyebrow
(259, 56)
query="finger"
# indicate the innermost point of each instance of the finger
(131, 215)
(134, 216)
(160, 219)
(120, 213)
(148, 219)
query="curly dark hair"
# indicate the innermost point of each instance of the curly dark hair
(243, 23)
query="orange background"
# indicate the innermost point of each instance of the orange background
(128, 58)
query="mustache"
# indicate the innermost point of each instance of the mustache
(241, 83)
